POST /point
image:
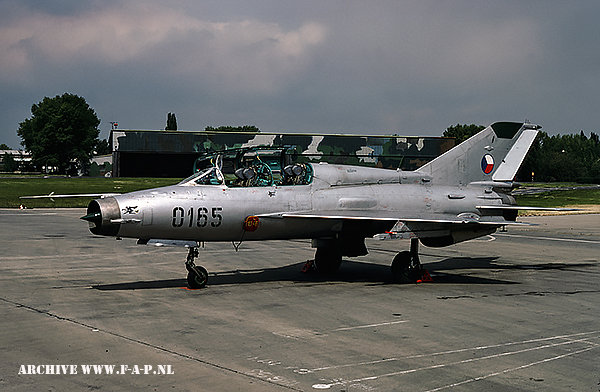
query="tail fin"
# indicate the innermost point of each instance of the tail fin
(494, 154)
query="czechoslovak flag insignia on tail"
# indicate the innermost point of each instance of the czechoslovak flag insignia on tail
(487, 163)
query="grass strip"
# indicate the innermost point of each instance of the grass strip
(561, 198)
(13, 187)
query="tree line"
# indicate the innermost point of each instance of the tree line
(63, 133)
(563, 158)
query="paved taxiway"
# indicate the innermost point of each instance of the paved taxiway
(514, 311)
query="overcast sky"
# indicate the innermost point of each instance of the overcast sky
(357, 67)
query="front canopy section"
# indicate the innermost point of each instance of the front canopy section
(208, 176)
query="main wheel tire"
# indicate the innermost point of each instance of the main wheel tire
(402, 269)
(197, 278)
(327, 260)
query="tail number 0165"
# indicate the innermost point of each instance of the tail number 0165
(202, 217)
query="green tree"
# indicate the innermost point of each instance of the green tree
(4, 147)
(61, 130)
(102, 147)
(171, 122)
(9, 164)
(462, 132)
(564, 158)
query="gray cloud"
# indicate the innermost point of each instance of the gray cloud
(353, 67)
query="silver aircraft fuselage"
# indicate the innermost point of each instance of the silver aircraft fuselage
(461, 195)
(199, 212)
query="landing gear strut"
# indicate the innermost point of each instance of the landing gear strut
(406, 267)
(197, 275)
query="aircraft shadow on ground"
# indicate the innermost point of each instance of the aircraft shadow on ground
(456, 263)
(489, 263)
(349, 272)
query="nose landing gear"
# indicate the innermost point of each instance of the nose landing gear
(197, 277)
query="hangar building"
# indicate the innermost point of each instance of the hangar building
(138, 153)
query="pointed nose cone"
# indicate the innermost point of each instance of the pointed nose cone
(94, 217)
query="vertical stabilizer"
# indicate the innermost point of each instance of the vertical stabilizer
(494, 154)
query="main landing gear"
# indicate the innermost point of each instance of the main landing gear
(197, 275)
(406, 267)
(327, 260)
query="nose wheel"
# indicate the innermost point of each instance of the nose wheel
(197, 277)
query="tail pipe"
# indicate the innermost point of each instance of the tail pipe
(101, 213)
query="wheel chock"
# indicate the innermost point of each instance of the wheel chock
(308, 266)
(426, 278)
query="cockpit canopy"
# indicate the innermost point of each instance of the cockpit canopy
(251, 167)
(208, 176)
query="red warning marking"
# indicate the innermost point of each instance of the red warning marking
(308, 266)
(426, 278)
